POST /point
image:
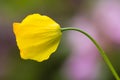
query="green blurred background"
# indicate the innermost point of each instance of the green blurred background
(12, 67)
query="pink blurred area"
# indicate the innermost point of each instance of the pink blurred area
(106, 16)
(82, 63)
(103, 24)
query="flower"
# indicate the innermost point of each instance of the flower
(37, 37)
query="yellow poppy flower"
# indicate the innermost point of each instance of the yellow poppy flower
(37, 37)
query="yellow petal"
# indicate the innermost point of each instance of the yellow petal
(37, 37)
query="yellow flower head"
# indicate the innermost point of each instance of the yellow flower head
(37, 37)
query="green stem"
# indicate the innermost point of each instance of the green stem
(106, 59)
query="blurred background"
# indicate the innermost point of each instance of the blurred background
(76, 58)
